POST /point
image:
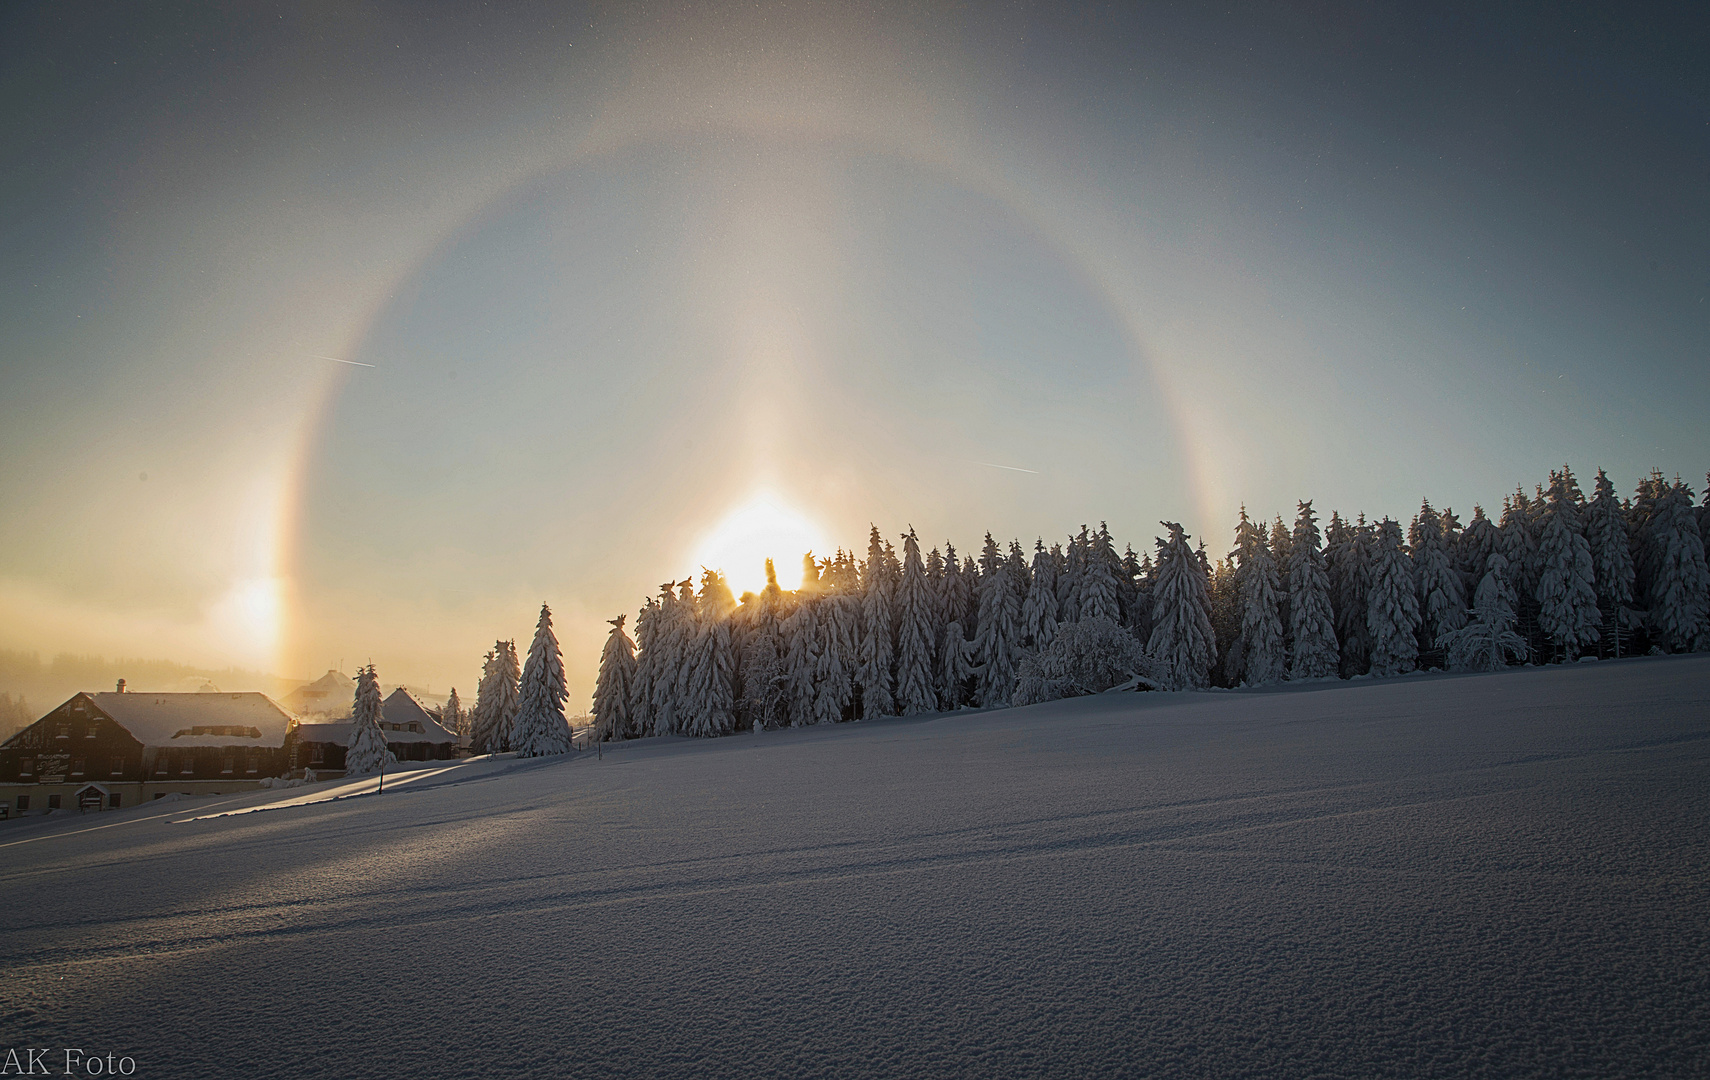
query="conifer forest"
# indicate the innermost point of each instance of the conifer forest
(1556, 575)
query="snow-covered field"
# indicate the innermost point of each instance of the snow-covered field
(1438, 875)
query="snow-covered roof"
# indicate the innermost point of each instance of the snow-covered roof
(402, 718)
(331, 691)
(249, 719)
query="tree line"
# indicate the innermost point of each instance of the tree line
(1555, 576)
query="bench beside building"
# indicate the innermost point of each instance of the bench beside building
(120, 749)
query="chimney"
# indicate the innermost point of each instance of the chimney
(121, 686)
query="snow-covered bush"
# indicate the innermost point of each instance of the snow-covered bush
(1488, 640)
(1086, 657)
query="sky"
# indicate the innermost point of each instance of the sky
(348, 332)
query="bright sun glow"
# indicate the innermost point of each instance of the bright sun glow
(760, 529)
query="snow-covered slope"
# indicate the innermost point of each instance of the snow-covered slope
(1501, 874)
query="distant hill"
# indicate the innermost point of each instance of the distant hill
(44, 685)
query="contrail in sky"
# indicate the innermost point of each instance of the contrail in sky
(1011, 468)
(352, 363)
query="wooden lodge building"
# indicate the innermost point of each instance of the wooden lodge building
(412, 734)
(106, 751)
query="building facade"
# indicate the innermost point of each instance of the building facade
(119, 749)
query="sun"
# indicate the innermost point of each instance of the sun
(760, 529)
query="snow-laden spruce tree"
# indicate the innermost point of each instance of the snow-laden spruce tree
(646, 664)
(956, 593)
(709, 706)
(1256, 584)
(956, 670)
(365, 753)
(481, 719)
(1088, 657)
(1350, 559)
(1182, 641)
(506, 690)
(1611, 545)
(1313, 630)
(839, 636)
(1100, 585)
(1567, 588)
(1442, 596)
(916, 690)
(1392, 609)
(674, 634)
(1479, 540)
(1039, 610)
(454, 719)
(1679, 581)
(495, 701)
(540, 726)
(613, 684)
(801, 662)
(1518, 543)
(997, 647)
(873, 672)
(1488, 640)
(1070, 568)
(761, 673)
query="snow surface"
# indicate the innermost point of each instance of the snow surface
(1498, 874)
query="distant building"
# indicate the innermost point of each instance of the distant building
(115, 750)
(412, 734)
(329, 695)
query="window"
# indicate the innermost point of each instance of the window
(77, 766)
(187, 766)
(228, 765)
(118, 766)
(113, 801)
(23, 802)
(317, 755)
(160, 765)
(63, 731)
(92, 731)
(53, 802)
(254, 763)
(27, 766)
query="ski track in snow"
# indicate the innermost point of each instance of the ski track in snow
(1504, 875)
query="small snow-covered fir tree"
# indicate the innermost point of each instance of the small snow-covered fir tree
(955, 670)
(1392, 610)
(839, 634)
(1567, 588)
(916, 688)
(1611, 546)
(1256, 583)
(614, 684)
(1479, 540)
(1089, 657)
(1100, 585)
(1679, 587)
(1442, 597)
(495, 701)
(801, 662)
(709, 706)
(366, 752)
(762, 669)
(1351, 561)
(1182, 640)
(997, 646)
(1487, 641)
(873, 672)
(1039, 610)
(1313, 631)
(541, 728)
(455, 719)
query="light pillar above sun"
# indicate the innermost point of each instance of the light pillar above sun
(764, 527)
